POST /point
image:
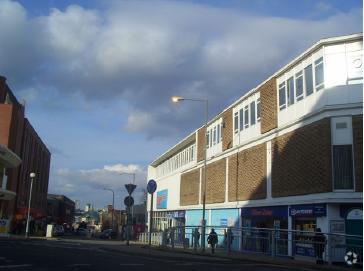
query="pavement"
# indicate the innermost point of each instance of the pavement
(93, 254)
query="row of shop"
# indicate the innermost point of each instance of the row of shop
(301, 221)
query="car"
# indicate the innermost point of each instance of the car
(108, 234)
(58, 230)
(82, 232)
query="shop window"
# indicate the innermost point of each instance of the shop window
(308, 80)
(343, 167)
(252, 113)
(319, 73)
(299, 86)
(282, 96)
(290, 91)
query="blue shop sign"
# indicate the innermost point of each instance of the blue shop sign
(314, 210)
(162, 198)
(223, 222)
(274, 211)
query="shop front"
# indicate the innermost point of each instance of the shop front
(305, 221)
(258, 224)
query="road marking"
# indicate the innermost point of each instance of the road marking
(14, 266)
(131, 264)
(79, 264)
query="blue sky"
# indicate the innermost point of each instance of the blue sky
(97, 76)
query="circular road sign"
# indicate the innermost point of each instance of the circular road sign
(151, 186)
(129, 201)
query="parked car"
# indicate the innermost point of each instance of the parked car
(108, 234)
(58, 230)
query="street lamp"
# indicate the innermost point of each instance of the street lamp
(32, 176)
(177, 99)
(112, 214)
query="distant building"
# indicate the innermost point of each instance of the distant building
(60, 209)
(19, 140)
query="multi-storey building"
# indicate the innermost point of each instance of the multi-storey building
(60, 209)
(287, 154)
(18, 137)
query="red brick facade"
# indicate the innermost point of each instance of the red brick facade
(268, 101)
(227, 129)
(215, 181)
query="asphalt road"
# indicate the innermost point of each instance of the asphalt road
(58, 255)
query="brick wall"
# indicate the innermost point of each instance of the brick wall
(6, 112)
(301, 161)
(2, 89)
(190, 188)
(227, 130)
(215, 181)
(358, 151)
(247, 174)
(201, 139)
(268, 103)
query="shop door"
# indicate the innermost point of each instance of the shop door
(354, 226)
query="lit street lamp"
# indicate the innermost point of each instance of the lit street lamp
(32, 176)
(112, 213)
(177, 99)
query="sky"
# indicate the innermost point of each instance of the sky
(97, 76)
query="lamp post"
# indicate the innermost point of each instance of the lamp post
(32, 176)
(177, 99)
(112, 214)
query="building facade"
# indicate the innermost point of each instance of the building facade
(286, 155)
(60, 209)
(18, 136)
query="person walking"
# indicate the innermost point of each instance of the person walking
(196, 236)
(212, 239)
(319, 244)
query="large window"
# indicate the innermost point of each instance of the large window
(282, 96)
(299, 86)
(236, 122)
(290, 91)
(252, 113)
(343, 167)
(319, 73)
(308, 80)
(246, 116)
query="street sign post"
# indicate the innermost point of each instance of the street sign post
(130, 188)
(129, 201)
(151, 187)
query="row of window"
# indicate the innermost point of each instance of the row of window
(180, 159)
(214, 135)
(301, 85)
(247, 116)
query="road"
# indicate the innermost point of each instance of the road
(60, 255)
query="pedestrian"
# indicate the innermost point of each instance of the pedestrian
(229, 239)
(196, 236)
(212, 240)
(319, 245)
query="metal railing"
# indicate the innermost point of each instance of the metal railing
(306, 245)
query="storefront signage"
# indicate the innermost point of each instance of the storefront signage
(176, 214)
(162, 198)
(277, 211)
(313, 210)
(4, 226)
(303, 250)
(223, 222)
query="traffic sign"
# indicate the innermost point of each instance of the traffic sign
(151, 186)
(130, 188)
(129, 201)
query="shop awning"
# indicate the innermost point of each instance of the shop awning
(6, 194)
(8, 158)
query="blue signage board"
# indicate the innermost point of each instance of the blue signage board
(162, 199)
(303, 250)
(223, 222)
(274, 211)
(151, 186)
(313, 210)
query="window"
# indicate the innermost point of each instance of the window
(214, 136)
(319, 73)
(241, 113)
(258, 110)
(246, 116)
(207, 139)
(218, 134)
(290, 91)
(252, 113)
(343, 167)
(308, 80)
(282, 96)
(236, 122)
(299, 86)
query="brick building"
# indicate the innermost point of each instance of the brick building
(18, 136)
(60, 209)
(287, 154)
